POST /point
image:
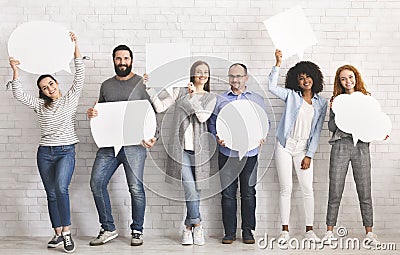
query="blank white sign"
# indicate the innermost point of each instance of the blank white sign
(290, 32)
(123, 123)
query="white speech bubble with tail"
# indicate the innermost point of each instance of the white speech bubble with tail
(290, 32)
(242, 124)
(42, 47)
(361, 116)
(123, 123)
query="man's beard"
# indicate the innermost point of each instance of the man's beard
(122, 73)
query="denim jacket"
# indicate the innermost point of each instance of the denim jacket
(294, 100)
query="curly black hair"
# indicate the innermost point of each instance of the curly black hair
(305, 67)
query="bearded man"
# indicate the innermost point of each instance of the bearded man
(124, 86)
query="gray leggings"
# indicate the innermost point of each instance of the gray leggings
(343, 152)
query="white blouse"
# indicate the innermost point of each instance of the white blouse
(302, 126)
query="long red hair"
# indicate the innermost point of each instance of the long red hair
(360, 85)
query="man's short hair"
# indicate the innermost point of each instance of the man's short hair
(239, 64)
(122, 47)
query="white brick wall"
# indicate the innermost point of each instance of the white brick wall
(363, 33)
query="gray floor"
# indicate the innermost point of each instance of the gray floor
(160, 246)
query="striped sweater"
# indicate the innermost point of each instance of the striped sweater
(57, 122)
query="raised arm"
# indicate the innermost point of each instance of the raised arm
(74, 38)
(79, 76)
(165, 103)
(17, 90)
(273, 87)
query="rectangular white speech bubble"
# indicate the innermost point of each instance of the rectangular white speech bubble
(167, 64)
(290, 32)
(123, 123)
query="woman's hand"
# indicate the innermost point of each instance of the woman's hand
(14, 66)
(74, 38)
(278, 57)
(191, 88)
(330, 102)
(14, 63)
(305, 163)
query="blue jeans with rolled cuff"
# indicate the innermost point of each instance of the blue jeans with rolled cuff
(192, 194)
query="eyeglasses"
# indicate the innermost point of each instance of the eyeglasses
(235, 76)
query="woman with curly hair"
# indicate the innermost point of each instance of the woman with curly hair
(343, 151)
(298, 136)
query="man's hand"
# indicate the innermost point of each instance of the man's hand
(91, 112)
(220, 142)
(150, 143)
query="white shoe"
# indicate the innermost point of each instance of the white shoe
(284, 238)
(198, 235)
(187, 237)
(310, 235)
(104, 237)
(371, 239)
(328, 237)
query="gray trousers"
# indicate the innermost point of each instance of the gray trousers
(343, 152)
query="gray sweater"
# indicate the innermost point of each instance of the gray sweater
(113, 90)
(204, 142)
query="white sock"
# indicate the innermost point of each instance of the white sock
(66, 233)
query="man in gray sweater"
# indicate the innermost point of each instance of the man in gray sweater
(124, 86)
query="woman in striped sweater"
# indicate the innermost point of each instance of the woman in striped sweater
(56, 153)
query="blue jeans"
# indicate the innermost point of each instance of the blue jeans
(230, 170)
(132, 158)
(192, 194)
(56, 165)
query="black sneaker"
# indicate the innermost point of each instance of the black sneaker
(137, 238)
(55, 241)
(69, 245)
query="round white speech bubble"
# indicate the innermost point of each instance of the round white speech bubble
(242, 124)
(42, 47)
(361, 116)
(123, 123)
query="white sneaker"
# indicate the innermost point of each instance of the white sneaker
(311, 236)
(104, 237)
(328, 237)
(284, 238)
(198, 235)
(371, 239)
(187, 237)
